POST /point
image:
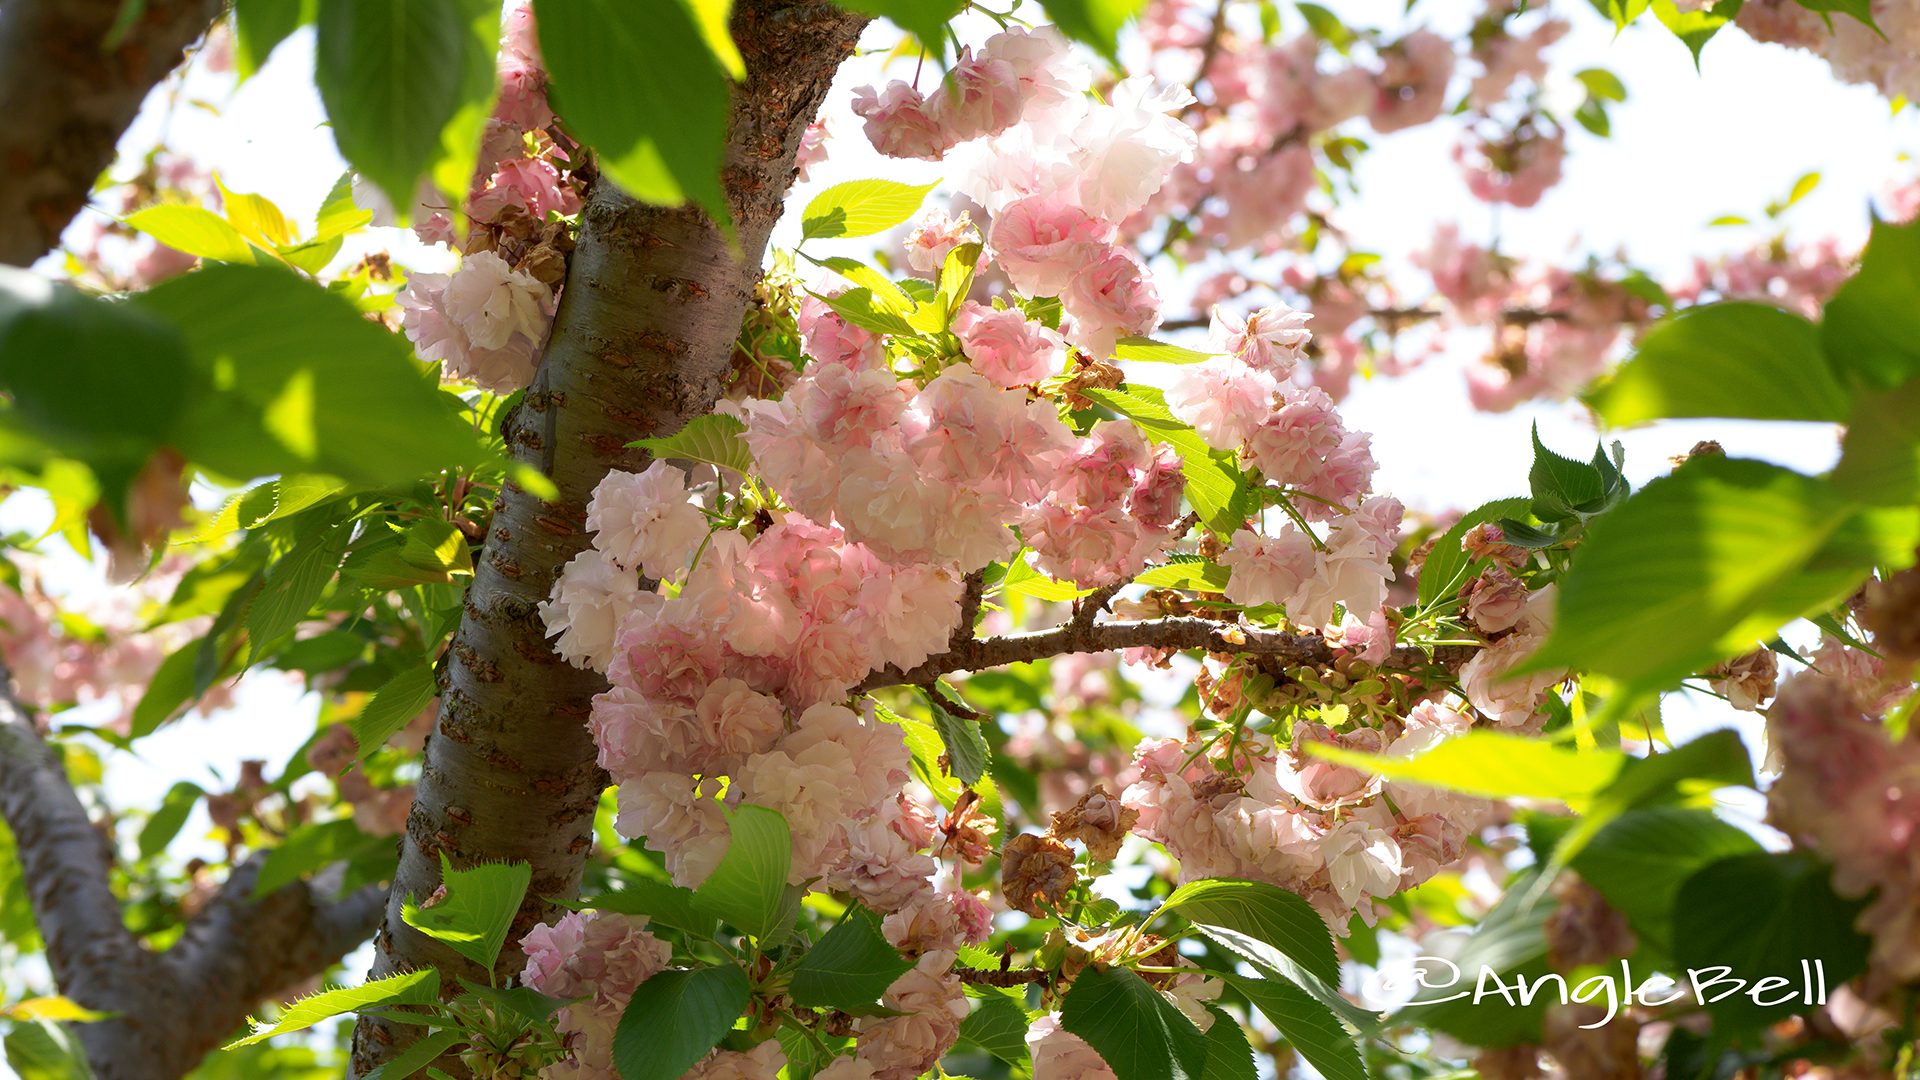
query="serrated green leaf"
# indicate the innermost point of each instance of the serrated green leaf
(294, 583)
(393, 76)
(1739, 360)
(1266, 913)
(392, 707)
(1494, 765)
(1880, 453)
(168, 818)
(998, 1025)
(1448, 567)
(473, 915)
(748, 890)
(663, 903)
(423, 1052)
(1309, 1025)
(259, 25)
(1137, 1032)
(1870, 329)
(860, 208)
(674, 1018)
(714, 439)
(639, 84)
(1196, 575)
(967, 753)
(194, 230)
(852, 965)
(310, 848)
(1157, 352)
(408, 988)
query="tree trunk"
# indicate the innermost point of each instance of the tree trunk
(642, 340)
(68, 97)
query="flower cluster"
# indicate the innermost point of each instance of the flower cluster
(488, 319)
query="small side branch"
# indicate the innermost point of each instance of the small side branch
(1177, 633)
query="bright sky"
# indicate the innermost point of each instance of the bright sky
(1685, 149)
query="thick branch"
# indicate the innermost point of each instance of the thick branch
(1290, 650)
(170, 1008)
(68, 97)
(642, 341)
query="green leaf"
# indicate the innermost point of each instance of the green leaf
(639, 84)
(850, 967)
(168, 818)
(1701, 565)
(1194, 574)
(393, 76)
(1860, 10)
(168, 690)
(309, 848)
(478, 907)
(1695, 27)
(714, 439)
(409, 988)
(715, 18)
(659, 901)
(1565, 489)
(194, 230)
(1448, 567)
(1266, 913)
(259, 25)
(1096, 22)
(956, 278)
(1494, 765)
(998, 1025)
(1764, 915)
(271, 501)
(1592, 115)
(924, 19)
(391, 707)
(1870, 329)
(308, 385)
(1309, 1025)
(861, 208)
(295, 582)
(1639, 861)
(863, 308)
(422, 1053)
(967, 753)
(1137, 1032)
(1327, 26)
(748, 890)
(1215, 485)
(674, 1018)
(1022, 578)
(1622, 12)
(1229, 1056)
(64, 361)
(1740, 360)
(46, 1050)
(1880, 453)
(888, 296)
(1157, 352)
(1602, 84)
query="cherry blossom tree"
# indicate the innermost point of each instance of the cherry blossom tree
(992, 655)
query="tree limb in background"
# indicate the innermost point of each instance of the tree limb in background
(72, 76)
(171, 1007)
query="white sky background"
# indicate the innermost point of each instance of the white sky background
(1685, 149)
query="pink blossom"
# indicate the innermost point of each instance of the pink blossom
(1517, 172)
(763, 1062)
(529, 184)
(933, 1004)
(680, 818)
(979, 96)
(1224, 399)
(934, 236)
(1413, 84)
(1006, 346)
(813, 149)
(585, 606)
(1107, 299)
(599, 955)
(1269, 340)
(833, 340)
(1496, 600)
(643, 520)
(1041, 241)
(901, 123)
(1267, 570)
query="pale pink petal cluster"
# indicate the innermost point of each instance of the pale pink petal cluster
(486, 321)
(643, 521)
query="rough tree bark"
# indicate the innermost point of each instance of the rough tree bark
(172, 1007)
(68, 97)
(644, 335)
